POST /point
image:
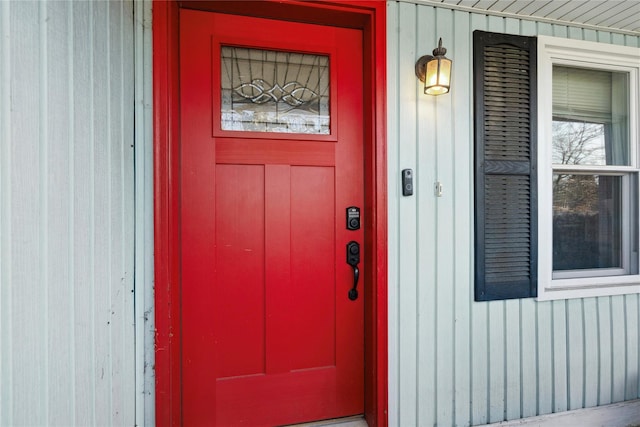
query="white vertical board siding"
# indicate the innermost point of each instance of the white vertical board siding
(145, 350)
(66, 213)
(453, 361)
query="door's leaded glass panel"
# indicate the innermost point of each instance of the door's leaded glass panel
(273, 91)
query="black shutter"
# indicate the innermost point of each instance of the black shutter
(505, 99)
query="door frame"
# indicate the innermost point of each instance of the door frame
(368, 16)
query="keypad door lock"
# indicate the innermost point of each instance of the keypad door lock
(353, 218)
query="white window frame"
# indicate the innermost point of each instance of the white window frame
(578, 53)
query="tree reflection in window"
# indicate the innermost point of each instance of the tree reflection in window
(589, 143)
(587, 221)
(578, 143)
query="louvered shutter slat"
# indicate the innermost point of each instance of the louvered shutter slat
(505, 187)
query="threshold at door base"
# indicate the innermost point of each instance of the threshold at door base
(355, 421)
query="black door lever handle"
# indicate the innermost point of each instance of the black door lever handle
(353, 292)
(353, 259)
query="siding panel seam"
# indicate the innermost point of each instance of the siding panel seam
(71, 207)
(43, 125)
(6, 359)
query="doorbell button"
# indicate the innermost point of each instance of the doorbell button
(407, 182)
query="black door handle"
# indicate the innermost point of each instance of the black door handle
(353, 259)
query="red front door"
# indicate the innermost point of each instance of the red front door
(271, 158)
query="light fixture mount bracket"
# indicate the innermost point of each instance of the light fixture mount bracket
(421, 66)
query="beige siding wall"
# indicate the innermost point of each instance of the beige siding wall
(453, 361)
(66, 213)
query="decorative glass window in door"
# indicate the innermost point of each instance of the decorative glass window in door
(274, 91)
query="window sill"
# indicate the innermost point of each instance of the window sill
(588, 287)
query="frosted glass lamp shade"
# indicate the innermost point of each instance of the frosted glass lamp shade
(435, 71)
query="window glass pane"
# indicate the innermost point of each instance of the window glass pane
(587, 221)
(590, 117)
(273, 91)
(578, 143)
(633, 225)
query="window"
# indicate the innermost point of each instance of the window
(588, 169)
(557, 165)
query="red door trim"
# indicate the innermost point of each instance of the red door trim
(370, 16)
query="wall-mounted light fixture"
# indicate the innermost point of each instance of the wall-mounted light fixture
(435, 71)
